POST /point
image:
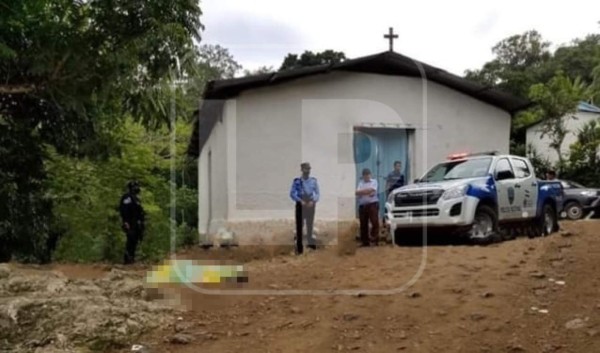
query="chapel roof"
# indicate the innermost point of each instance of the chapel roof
(386, 63)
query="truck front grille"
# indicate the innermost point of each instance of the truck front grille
(430, 212)
(417, 198)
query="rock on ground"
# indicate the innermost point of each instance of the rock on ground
(47, 312)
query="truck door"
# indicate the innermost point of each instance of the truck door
(505, 189)
(526, 187)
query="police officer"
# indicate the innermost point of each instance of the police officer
(132, 216)
(305, 193)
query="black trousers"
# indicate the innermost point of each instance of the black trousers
(304, 214)
(134, 236)
(369, 214)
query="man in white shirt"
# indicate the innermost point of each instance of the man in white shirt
(368, 208)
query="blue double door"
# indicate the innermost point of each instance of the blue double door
(378, 149)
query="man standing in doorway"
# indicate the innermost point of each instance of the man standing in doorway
(395, 179)
(305, 192)
(550, 175)
(368, 208)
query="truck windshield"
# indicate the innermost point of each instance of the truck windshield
(460, 169)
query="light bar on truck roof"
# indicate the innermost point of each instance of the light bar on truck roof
(463, 155)
(457, 156)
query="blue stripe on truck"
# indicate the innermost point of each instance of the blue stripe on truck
(549, 191)
(483, 188)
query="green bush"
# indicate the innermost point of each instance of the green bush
(540, 165)
(583, 164)
(86, 195)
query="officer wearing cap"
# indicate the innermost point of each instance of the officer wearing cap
(132, 216)
(305, 192)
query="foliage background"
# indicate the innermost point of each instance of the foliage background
(86, 193)
(555, 81)
(89, 91)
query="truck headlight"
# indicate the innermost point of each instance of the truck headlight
(588, 193)
(391, 198)
(455, 192)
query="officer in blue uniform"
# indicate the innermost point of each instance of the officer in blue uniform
(132, 216)
(305, 193)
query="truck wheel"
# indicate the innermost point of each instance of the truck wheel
(547, 223)
(574, 211)
(485, 226)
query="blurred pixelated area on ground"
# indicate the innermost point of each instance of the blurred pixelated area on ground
(202, 272)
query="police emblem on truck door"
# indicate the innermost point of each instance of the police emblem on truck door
(511, 195)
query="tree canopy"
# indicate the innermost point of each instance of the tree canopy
(520, 61)
(557, 101)
(555, 82)
(524, 60)
(308, 58)
(70, 73)
(259, 71)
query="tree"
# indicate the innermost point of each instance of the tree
(520, 61)
(595, 86)
(584, 161)
(262, 70)
(540, 165)
(579, 58)
(557, 102)
(70, 72)
(218, 62)
(308, 58)
(85, 193)
(212, 62)
(524, 60)
(585, 151)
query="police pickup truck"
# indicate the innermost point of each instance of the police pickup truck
(486, 197)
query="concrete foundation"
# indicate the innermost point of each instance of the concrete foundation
(281, 232)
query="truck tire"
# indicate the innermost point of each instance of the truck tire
(574, 211)
(484, 230)
(547, 222)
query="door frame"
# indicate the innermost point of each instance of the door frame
(379, 173)
(503, 187)
(527, 189)
(209, 218)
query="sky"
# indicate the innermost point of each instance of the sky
(452, 35)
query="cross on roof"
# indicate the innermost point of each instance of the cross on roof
(391, 36)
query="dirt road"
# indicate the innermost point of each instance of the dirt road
(526, 295)
(467, 299)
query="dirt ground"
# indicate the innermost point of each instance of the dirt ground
(525, 295)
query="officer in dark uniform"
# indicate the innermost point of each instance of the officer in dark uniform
(132, 215)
